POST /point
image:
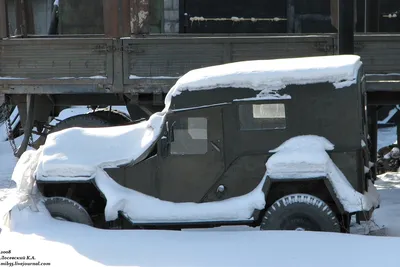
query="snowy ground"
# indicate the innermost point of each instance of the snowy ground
(59, 243)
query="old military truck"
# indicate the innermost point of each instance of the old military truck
(103, 55)
(259, 143)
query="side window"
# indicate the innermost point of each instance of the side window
(262, 116)
(190, 136)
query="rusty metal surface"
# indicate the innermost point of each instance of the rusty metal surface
(55, 61)
(116, 18)
(4, 32)
(139, 17)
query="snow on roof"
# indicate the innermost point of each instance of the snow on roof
(269, 76)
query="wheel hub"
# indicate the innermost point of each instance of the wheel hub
(300, 223)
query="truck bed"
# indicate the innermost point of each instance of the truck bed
(152, 64)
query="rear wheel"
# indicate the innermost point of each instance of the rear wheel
(300, 212)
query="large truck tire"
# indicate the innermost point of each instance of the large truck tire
(300, 212)
(65, 209)
(114, 117)
(83, 120)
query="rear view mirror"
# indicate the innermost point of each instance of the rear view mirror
(171, 132)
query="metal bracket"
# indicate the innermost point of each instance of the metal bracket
(131, 49)
(331, 48)
(358, 46)
(104, 48)
(324, 47)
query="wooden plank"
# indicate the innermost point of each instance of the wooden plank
(72, 61)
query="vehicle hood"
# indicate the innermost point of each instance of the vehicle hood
(78, 152)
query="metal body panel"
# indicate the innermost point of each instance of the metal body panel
(188, 177)
(235, 158)
(143, 176)
(55, 61)
(241, 177)
(307, 112)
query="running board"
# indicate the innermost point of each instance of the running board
(130, 223)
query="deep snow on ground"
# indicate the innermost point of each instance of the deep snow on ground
(69, 244)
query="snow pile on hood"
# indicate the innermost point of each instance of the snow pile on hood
(305, 157)
(268, 76)
(80, 151)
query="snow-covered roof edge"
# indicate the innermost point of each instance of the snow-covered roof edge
(270, 76)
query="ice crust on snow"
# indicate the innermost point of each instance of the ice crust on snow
(269, 76)
(143, 208)
(305, 157)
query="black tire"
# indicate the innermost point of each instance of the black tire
(83, 120)
(113, 117)
(300, 212)
(66, 209)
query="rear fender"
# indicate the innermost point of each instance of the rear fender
(319, 186)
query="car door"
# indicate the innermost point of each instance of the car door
(194, 158)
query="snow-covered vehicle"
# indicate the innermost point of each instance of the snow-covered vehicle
(259, 143)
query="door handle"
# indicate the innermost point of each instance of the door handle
(215, 146)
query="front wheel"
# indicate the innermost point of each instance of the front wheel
(66, 209)
(300, 212)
